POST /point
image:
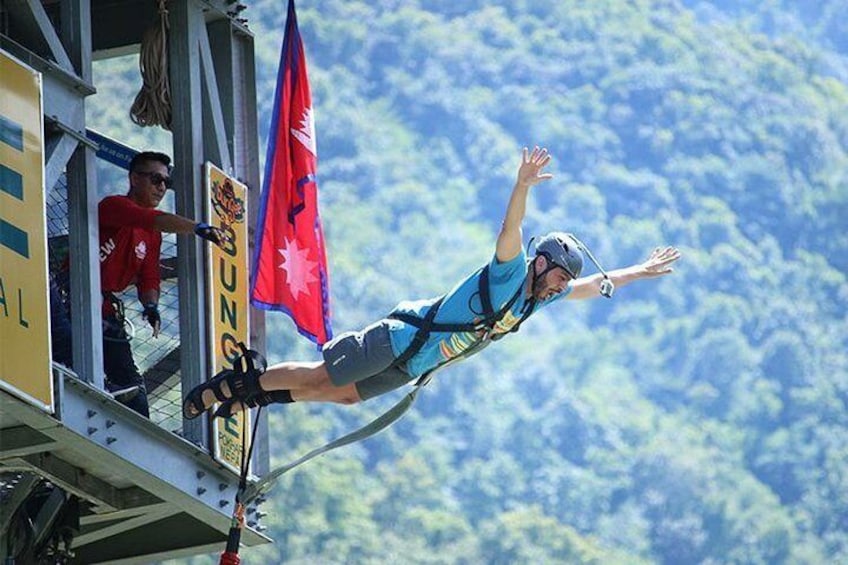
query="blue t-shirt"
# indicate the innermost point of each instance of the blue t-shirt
(462, 305)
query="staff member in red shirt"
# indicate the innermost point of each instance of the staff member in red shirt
(130, 239)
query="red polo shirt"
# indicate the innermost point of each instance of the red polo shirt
(129, 246)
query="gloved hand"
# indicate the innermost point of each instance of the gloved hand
(151, 314)
(209, 233)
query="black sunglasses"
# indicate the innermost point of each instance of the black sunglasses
(156, 178)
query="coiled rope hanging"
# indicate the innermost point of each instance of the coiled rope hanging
(152, 106)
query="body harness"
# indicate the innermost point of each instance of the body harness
(484, 327)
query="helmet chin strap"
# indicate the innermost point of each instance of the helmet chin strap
(607, 287)
(549, 266)
(537, 276)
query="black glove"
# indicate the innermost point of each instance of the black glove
(151, 314)
(207, 232)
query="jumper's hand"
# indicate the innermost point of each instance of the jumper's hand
(151, 314)
(530, 172)
(659, 263)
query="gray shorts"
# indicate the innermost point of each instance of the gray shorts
(365, 358)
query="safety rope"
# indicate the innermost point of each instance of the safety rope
(230, 555)
(152, 105)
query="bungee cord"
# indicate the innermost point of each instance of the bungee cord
(230, 555)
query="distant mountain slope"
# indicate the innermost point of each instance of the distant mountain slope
(697, 419)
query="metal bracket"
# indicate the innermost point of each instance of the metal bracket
(55, 123)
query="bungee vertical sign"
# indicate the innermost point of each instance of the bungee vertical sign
(228, 307)
(24, 305)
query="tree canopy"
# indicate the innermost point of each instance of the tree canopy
(700, 418)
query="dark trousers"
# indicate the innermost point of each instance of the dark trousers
(119, 365)
(60, 327)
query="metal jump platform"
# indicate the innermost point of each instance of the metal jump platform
(83, 479)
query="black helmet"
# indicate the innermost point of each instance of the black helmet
(562, 250)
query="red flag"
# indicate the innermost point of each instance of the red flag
(290, 265)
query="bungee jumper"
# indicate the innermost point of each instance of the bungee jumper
(419, 337)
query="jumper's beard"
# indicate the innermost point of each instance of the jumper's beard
(539, 288)
(543, 290)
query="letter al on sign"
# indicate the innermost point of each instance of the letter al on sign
(25, 368)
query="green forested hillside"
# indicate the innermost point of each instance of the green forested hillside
(701, 418)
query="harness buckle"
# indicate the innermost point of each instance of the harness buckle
(116, 305)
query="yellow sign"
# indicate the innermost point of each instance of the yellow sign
(24, 303)
(228, 305)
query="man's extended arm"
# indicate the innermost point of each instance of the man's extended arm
(529, 173)
(657, 265)
(172, 223)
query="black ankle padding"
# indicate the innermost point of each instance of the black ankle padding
(244, 385)
(281, 396)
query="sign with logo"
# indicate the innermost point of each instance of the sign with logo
(228, 306)
(24, 295)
